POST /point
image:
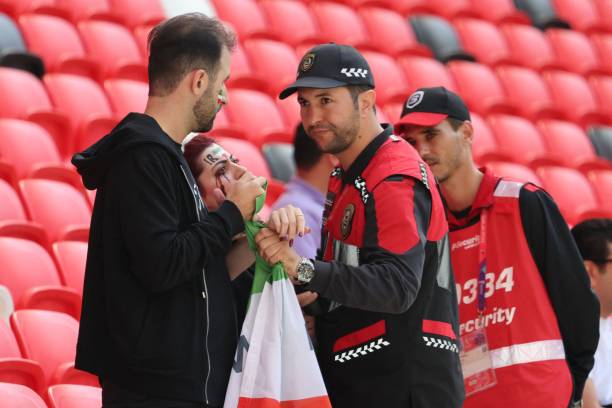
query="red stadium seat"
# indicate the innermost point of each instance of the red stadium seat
(138, 12)
(582, 15)
(13, 218)
(452, 9)
(391, 85)
(291, 21)
(242, 75)
(602, 88)
(126, 95)
(70, 256)
(389, 32)
(79, 10)
(114, 49)
(530, 47)
(484, 145)
(16, 395)
(58, 43)
(570, 190)
(519, 138)
(58, 207)
(573, 96)
(575, 52)
(46, 337)
(24, 97)
(480, 88)
(16, 8)
(340, 24)
(601, 181)
(393, 110)
(604, 8)
(570, 145)
(290, 109)
(528, 93)
(404, 7)
(91, 113)
(31, 276)
(422, 72)
(141, 36)
(603, 46)
(27, 147)
(514, 170)
(273, 62)
(13, 367)
(499, 11)
(261, 124)
(483, 40)
(245, 17)
(75, 396)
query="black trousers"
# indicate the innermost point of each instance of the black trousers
(114, 396)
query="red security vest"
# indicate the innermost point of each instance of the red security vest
(521, 325)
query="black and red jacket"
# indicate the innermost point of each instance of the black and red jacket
(389, 333)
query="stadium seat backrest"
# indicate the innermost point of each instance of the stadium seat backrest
(85, 9)
(525, 90)
(477, 84)
(388, 31)
(440, 36)
(483, 142)
(574, 50)
(421, 72)
(53, 38)
(10, 204)
(499, 11)
(25, 264)
(21, 93)
(55, 205)
(8, 343)
(514, 170)
(601, 139)
(603, 46)
(75, 396)
(291, 21)
(518, 137)
(126, 95)
(138, 12)
(529, 46)
(483, 40)
(581, 14)
(16, 395)
(601, 181)
(566, 140)
(273, 61)
(109, 44)
(388, 76)
(71, 257)
(244, 16)
(570, 92)
(46, 336)
(602, 88)
(339, 23)
(570, 189)
(25, 145)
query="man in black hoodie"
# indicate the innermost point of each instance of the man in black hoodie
(159, 322)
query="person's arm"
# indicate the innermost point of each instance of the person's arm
(163, 255)
(389, 279)
(566, 281)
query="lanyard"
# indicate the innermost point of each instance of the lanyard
(482, 261)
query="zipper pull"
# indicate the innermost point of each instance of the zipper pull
(204, 295)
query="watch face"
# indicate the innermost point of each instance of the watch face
(305, 271)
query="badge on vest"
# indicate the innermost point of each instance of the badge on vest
(476, 362)
(346, 224)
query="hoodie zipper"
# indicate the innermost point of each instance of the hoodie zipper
(198, 203)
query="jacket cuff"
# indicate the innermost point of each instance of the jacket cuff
(232, 217)
(322, 277)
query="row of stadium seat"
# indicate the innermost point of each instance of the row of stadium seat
(58, 396)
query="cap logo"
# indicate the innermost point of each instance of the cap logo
(307, 62)
(354, 72)
(415, 99)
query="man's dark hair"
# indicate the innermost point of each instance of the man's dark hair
(455, 123)
(306, 152)
(182, 44)
(592, 238)
(356, 90)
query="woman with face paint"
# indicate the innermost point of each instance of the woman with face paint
(214, 170)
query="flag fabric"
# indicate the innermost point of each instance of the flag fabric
(275, 364)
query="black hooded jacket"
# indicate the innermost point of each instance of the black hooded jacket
(159, 316)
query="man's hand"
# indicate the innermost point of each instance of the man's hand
(272, 249)
(243, 192)
(306, 298)
(288, 222)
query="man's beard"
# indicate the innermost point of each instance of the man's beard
(344, 137)
(205, 110)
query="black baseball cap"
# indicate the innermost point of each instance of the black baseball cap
(330, 66)
(430, 106)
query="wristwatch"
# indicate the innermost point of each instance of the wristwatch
(305, 270)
